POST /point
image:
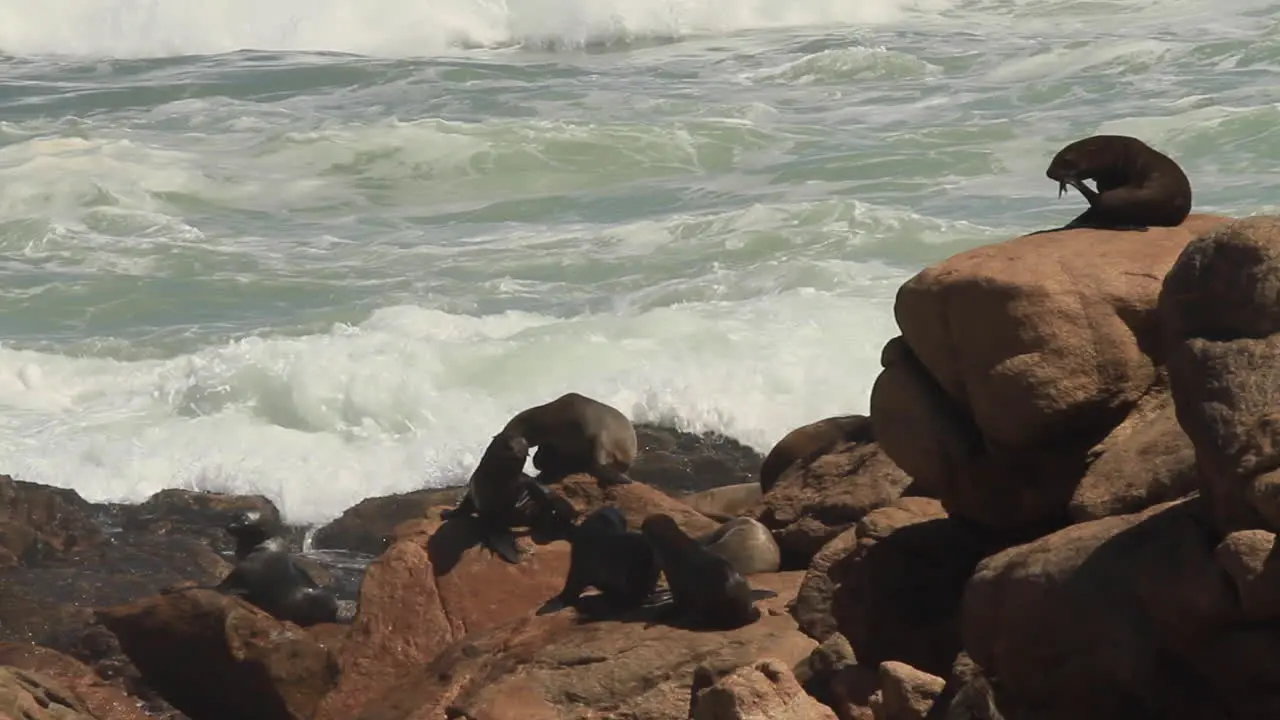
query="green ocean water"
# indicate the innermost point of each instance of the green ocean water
(322, 250)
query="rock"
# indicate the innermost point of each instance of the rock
(1250, 558)
(1015, 360)
(194, 515)
(968, 694)
(899, 590)
(905, 692)
(31, 696)
(427, 591)
(38, 523)
(813, 503)
(1145, 461)
(808, 442)
(1123, 617)
(98, 698)
(679, 462)
(636, 501)
(216, 656)
(556, 666)
(765, 690)
(365, 527)
(813, 609)
(724, 503)
(1221, 317)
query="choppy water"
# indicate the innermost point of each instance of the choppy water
(322, 249)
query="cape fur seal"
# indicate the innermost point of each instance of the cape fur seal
(575, 433)
(501, 497)
(747, 544)
(605, 555)
(1137, 186)
(706, 591)
(266, 575)
(809, 441)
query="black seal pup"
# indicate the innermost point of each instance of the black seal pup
(706, 591)
(575, 433)
(499, 497)
(605, 555)
(1137, 186)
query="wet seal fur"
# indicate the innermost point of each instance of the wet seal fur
(499, 497)
(575, 433)
(747, 544)
(706, 591)
(808, 442)
(1137, 186)
(617, 562)
(266, 575)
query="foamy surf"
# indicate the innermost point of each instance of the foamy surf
(408, 398)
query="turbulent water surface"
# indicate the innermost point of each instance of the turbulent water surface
(322, 249)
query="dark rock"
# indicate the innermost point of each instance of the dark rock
(679, 462)
(365, 527)
(38, 523)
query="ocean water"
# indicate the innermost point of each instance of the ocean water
(323, 249)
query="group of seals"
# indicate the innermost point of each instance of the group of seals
(1137, 186)
(266, 575)
(706, 589)
(573, 433)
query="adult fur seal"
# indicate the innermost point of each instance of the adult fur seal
(501, 497)
(746, 544)
(575, 433)
(809, 441)
(605, 555)
(706, 591)
(1137, 186)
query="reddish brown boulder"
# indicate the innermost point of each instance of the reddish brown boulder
(806, 443)
(557, 666)
(1016, 359)
(100, 699)
(764, 689)
(898, 591)
(1123, 617)
(813, 609)
(216, 656)
(425, 592)
(814, 502)
(1222, 320)
(28, 695)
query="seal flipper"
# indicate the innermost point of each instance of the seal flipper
(466, 506)
(762, 594)
(503, 544)
(553, 605)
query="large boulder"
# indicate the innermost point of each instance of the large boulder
(1221, 312)
(819, 497)
(212, 655)
(1016, 359)
(99, 698)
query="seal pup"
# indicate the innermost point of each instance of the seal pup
(747, 544)
(1137, 186)
(575, 433)
(499, 496)
(705, 589)
(253, 529)
(605, 555)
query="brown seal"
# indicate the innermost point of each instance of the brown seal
(747, 544)
(807, 442)
(705, 589)
(605, 555)
(1137, 186)
(575, 433)
(499, 497)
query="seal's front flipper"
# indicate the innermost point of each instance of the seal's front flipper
(762, 594)
(553, 605)
(609, 476)
(503, 544)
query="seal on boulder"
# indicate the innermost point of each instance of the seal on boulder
(747, 544)
(499, 496)
(706, 591)
(605, 555)
(575, 433)
(1137, 186)
(807, 442)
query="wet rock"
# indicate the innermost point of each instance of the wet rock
(39, 523)
(366, 526)
(194, 515)
(678, 462)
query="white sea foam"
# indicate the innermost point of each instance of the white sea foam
(134, 28)
(409, 397)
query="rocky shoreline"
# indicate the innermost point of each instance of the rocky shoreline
(1062, 505)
